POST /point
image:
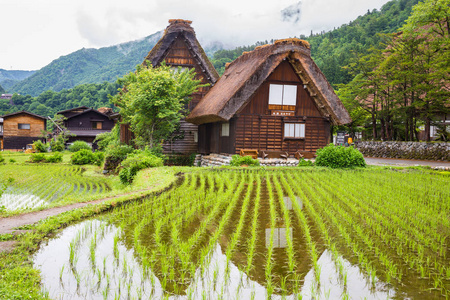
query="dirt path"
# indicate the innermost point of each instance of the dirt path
(7, 224)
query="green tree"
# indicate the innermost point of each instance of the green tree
(153, 100)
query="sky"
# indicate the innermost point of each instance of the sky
(34, 33)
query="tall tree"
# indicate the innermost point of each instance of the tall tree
(153, 101)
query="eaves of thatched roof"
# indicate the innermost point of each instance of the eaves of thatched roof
(181, 29)
(248, 72)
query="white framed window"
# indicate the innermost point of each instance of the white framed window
(282, 94)
(294, 130)
(23, 126)
(225, 129)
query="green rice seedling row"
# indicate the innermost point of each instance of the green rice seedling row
(255, 234)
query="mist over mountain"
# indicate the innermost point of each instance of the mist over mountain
(87, 66)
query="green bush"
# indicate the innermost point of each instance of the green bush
(305, 163)
(136, 162)
(119, 152)
(237, 161)
(2, 159)
(11, 160)
(180, 160)
(85, 157)
(339, 157)
(105, 139)
(79, 145)
(39, 146)
(56, 157)
(37, 157)
(58, 145)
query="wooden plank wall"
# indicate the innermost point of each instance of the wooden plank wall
(266, 133)
(10, 126)
(256, 128)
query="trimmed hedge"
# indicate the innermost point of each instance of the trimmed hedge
(339, 157)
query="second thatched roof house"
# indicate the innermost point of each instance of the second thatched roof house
(273, 98)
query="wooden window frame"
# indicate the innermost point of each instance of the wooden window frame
(294, 137)
(21, 124)
(283, 106)
(96, 125)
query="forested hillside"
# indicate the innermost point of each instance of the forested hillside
(50, 102)
(334, 49)
(87, 66)
(11, 77)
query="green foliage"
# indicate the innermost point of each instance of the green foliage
(37, 157)
(85, 157)
(180, 160)
(154, 102)
(79, 145)
(2, 90)
(117, 151)
(11, 160)
(57, 145)
(2, 159)
(305, 163)
(105, 139)
(48, 103)
(339, 157)
(237, 161)
(55, 157)
(40, 146)
(136, 162)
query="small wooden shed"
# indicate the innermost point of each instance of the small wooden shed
(272, 98)
(179, 47)
(22, 128)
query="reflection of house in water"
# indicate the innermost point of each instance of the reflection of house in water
(279, 237)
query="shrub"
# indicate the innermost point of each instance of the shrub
(305, 163)
(39, 146)
(57, 145)
(339, 157)
(136, 162)
(105, 139)
(56, 157)
(237, 161)
(37, 157)
(1, 159)
(84, 157)
(180, 160)
(79, 145)
(11, 160)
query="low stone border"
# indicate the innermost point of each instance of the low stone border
(215, 160)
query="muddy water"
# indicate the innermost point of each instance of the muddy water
(98, 259)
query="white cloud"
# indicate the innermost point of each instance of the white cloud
(40, 31)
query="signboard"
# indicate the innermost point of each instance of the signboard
(340, 139)
(282, 113)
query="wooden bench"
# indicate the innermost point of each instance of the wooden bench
(304, 154)
(274, 154)
(249, 152)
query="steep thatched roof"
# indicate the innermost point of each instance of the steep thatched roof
(181, 29)
(246, 74)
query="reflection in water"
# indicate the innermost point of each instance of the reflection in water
(279, 237)
(288, 202)
(121, 275)
(15, 201)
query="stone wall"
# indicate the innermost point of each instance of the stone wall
(405, 150)
(214, 160)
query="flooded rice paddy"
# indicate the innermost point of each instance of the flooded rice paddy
(39, 185)
(257, 235)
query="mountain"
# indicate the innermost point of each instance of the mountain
(336, 48)
(87, 66)
(9, 78)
